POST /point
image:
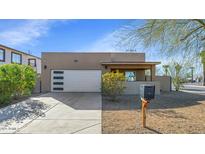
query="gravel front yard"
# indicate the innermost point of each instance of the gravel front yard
(174, 112)
(14, 101)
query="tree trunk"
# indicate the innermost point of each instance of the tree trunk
(203, 74)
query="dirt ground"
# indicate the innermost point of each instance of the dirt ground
(169, 113)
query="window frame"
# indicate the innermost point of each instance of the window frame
(58, 72)
(4, 55)
(58, 83)
(58, 88)
(135, 72)
(29, 63)
(58, 77)
(16, 54)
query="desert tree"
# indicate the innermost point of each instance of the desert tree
(182, 37)
(202, 55)
(166, 69)
(176, 72)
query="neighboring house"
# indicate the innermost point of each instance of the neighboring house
(82, 72)
(9, 55)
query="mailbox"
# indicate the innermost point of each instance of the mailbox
(147, 91)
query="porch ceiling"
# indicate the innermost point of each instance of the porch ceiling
(130, 65)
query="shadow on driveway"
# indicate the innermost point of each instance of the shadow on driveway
(78, 101)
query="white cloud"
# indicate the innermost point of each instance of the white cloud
(105, 43)
(28, 31)
(111, 42)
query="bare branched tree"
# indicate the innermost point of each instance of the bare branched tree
(185, 37)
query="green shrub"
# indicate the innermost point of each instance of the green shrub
(113, 84)
(177, 79)
(16, 80)
(29, 78)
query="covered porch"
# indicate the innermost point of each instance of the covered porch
(138, 68)
(136, 73)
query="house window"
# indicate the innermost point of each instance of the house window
(2, 55)
(32, 62)
(16, 58)
(130, 76)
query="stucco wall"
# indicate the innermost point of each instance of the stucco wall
(124, 57)
(165, 82)
(77, 61)
(140, 75)
(133, 88)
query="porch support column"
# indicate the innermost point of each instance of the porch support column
(153, 73)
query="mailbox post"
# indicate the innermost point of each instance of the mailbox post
(147, 92)
(144, 108)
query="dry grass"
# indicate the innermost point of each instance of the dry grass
(169, 113)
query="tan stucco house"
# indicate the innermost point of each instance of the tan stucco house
(81, 72)
(9, 55)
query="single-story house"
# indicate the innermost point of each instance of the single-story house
(82, 72)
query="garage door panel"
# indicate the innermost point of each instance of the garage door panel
(77, 80)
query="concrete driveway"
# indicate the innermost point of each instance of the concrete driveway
(54, 113)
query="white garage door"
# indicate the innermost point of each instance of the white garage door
(76, 80)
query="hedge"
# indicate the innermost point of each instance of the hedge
(113, 84)
(15, 81)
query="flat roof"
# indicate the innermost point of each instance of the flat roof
(94, 52)
(19, 51)
(130, 63)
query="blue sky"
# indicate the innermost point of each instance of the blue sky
(60, 35)
(36, 36)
